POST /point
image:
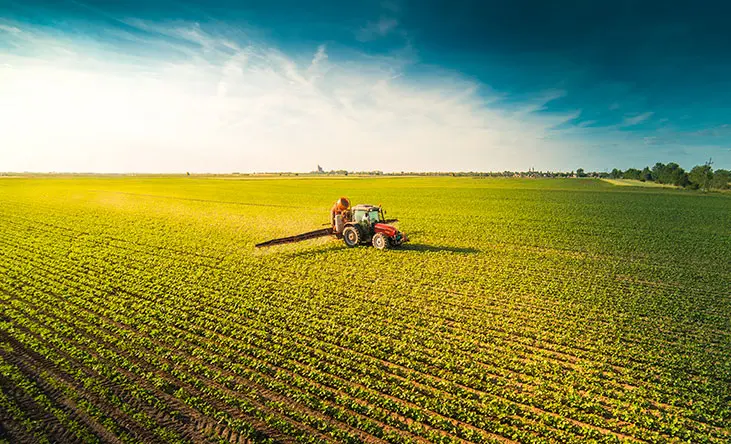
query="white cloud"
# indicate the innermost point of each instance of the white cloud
(228, 106)
(639, 118)
(10, 29)
(586, 123)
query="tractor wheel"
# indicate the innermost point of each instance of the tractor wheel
(351, 236)
(381, 242)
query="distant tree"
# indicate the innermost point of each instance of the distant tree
(616, 174)
(701, 177)
(658, 171)
(671, 173)
(677, 175)
(720, 180)
(580, 172)
(632, 173)
(646, 175)
(682, 179)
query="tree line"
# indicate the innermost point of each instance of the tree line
(701, 177)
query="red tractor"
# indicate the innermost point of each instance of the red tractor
(359, 225)
(367, 225)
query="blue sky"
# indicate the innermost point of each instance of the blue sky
(221, 86)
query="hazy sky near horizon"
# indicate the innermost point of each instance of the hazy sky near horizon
(395, 85)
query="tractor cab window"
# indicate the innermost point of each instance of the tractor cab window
(374, 216)
(359, 216)
(369, 216)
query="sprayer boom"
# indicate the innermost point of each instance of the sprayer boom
(297, 238)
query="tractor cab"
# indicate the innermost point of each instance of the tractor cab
(367, 214)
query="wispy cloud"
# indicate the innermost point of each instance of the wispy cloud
(380, 28)
(9, 29)
(723, 130)
(636, 120)
(228, 104)
(185, 96)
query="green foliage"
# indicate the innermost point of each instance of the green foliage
(701, 176)
(633, 174)
(646, 175)
(536, 310)
(671, 174)
(721, 179)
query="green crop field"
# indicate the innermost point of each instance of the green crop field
(136, 309)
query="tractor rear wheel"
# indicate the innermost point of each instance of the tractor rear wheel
(351, 236)
(380, 241)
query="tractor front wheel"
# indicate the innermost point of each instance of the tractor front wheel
(380, 241)
(351, 236)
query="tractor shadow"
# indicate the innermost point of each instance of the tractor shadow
(425, 248)
(407, 248)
